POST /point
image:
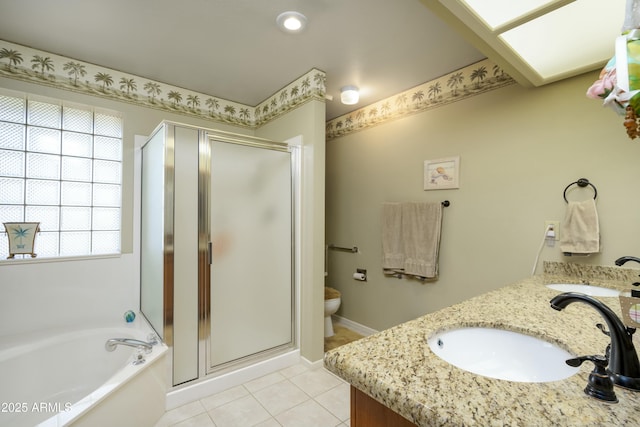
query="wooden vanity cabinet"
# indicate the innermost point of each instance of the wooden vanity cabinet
(368, 412)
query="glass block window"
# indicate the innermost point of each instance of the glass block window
(61, 166)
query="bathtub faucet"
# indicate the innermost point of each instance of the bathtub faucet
(112, 343)
(624, 367)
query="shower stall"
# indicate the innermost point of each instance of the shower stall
(218, 247)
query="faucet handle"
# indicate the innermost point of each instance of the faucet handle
(152, 339)
(600, 385)
(138, 358)
(599, 361)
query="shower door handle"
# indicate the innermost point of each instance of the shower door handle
(210, 252)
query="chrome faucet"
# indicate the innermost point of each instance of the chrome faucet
(111, 344)
(624, 367)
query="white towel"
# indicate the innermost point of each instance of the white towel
(580, 233)
(411, 238)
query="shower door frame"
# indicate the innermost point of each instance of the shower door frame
(204, 247)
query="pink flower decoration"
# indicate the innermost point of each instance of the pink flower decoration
(602, 87)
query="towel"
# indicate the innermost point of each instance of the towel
(580, 231)
(411, 238)
(392, 252)
(421, 225)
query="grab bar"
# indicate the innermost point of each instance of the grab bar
(112, 343)
(342, 248)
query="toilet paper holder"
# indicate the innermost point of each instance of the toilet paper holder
(360, 274)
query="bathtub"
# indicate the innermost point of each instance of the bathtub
(68, 378)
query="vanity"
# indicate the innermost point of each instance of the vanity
(397, 380)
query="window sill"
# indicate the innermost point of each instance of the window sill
(56, 259)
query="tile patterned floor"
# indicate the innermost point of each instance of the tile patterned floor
(297, 396)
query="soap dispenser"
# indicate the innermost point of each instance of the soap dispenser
(600, 385)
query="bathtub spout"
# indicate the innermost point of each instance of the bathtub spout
(112, 343)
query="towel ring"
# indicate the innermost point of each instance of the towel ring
(582, 182)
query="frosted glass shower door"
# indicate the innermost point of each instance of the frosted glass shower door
(251, 292)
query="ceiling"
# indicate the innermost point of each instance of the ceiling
(233, 50)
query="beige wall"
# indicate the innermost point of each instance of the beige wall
(307, 122)
(519, 149)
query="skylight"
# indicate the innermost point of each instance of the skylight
(538, 41)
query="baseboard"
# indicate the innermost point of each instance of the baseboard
(311, 365)
(354, 326)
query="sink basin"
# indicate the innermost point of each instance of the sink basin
(501, 354)
(594, 291)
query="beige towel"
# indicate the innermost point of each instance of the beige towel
(392, 252)
(411, 238)
(421, 225)
(580, 232)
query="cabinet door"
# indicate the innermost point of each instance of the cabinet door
(368, 412)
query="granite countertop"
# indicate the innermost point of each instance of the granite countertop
(397, 368)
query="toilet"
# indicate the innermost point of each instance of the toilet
(331, 305)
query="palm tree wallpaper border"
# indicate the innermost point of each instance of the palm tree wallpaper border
(68, 74)
(463, 83)
(64, 73)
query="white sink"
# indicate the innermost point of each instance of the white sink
(501, 354)
(594, 291)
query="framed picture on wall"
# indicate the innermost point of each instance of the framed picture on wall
(441, 174)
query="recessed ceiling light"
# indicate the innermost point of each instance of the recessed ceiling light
(291, 22)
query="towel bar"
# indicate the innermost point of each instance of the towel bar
(342, 248)
(582, 182)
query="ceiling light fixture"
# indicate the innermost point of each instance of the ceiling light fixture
(349, 95)
(291, 22)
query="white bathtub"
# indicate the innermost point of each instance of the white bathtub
(70, 379)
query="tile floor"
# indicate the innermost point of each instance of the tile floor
(297, 396)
